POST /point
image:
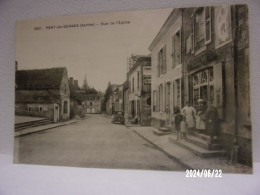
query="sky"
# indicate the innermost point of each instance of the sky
(95, 45)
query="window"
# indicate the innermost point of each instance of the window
(161, 67)
(160, 97)
(201, 28)
(133, 84)
(203, 86)
(207, 25)
(176, 47)
(30, 108)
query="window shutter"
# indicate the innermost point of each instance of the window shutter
(207, 25)
(173, 51)
(158, 64)
(192, 33)
(164, 59)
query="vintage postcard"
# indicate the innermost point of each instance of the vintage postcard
(165, 89)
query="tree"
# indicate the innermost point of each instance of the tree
(107, 95)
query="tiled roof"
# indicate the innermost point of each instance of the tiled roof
(39, 79)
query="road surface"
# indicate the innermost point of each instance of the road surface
(91, 142)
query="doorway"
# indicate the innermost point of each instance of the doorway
(167, 101)
(56, 113)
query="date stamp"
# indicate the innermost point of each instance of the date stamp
(207, 173)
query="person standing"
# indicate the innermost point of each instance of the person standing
(177, 120)
(183, 132)
(212, 121)
(189, 112)
(201, 116)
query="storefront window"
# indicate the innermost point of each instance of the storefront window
(203, 87)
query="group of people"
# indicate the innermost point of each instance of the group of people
(204, 119)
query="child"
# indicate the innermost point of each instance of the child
(177, 121)
(183, 131)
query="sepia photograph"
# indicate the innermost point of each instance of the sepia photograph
(165, 89)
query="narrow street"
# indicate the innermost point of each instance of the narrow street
(91, 142)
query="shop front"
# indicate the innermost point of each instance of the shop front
(206, 84)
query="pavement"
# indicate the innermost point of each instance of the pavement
(187, 158)
(31, 130)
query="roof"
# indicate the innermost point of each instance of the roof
(35, 96)
(125, 85)
(114, 86)
(38, 79)
(141, 61)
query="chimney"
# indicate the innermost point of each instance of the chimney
(76, 83)
(71, 80)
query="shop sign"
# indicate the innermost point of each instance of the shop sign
(147, 80)
(147, 70)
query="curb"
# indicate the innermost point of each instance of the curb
(184, 165)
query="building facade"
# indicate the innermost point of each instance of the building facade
(76, 100)
(167, 65)
(203, 53)
(216, 69)
(126, 99)
(115, 100)
(92, 103)
(43, 93)
(139, 89)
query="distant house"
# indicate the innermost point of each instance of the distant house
(126, 99)
(139, 89)
(76, 99)
(92, 103)
(43, 93)
(115, 101)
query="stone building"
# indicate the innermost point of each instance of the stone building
(76, 99)
(92, 103)
(216, 69)
(43, 93)
(203, 53)
(167, 65)
(126, 99)
(139, 89)
(115, 99)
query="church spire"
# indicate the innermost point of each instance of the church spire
(85, 83)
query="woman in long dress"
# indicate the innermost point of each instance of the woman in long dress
(189, 112)
(201, 115)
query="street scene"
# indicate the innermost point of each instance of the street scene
(117, 91)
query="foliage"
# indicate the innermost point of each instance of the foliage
(107, 95)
